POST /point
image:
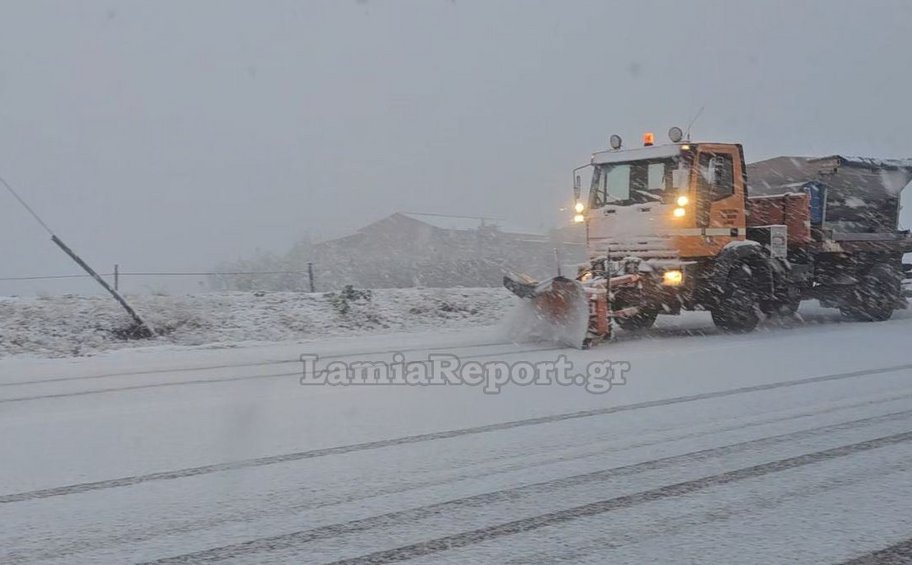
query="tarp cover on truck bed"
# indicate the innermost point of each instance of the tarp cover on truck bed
(877, 178)
(849, 194)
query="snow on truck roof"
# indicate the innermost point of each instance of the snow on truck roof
(875, 178)
(638, 153)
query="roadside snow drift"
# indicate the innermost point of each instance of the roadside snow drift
(80, 325)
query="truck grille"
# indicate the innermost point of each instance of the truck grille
(643, 247)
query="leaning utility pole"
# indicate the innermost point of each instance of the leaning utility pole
(140, 329)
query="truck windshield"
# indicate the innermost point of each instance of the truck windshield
(634, 182)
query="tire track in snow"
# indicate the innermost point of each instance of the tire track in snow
(666, 526)
(235, 378)
(201, 368)
(480, 535)
(420, 438)
(398, 518)
(150, 531)
(898, 554)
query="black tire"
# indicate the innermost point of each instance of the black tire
(644, 319)
(875, 296)
(738, 309)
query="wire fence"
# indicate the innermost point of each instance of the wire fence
(117, 275)
(154, 274)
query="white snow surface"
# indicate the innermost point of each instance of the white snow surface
(61, 326)
(792, 444)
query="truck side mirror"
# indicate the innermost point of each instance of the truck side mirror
(708, 181)
(716, 178)
(718, 170)
(714, 171)
(577, 188)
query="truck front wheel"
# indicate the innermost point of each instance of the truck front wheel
(738, 309)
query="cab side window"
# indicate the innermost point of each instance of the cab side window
(717, 175)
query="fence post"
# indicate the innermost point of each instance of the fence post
(310, 276)
(116, 276)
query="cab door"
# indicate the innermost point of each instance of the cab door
(719, 177)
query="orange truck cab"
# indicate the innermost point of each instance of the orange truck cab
(685, 218)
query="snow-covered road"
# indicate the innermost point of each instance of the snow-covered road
(791, 444)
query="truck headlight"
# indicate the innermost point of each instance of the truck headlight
(679, 212)
(672, 278)
(579, 218)
(579, 207)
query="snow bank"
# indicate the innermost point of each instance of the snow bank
(80, 325)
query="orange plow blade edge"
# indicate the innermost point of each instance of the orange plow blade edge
(556, 309)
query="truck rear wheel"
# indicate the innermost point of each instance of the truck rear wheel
(875, 296)
(738, 310)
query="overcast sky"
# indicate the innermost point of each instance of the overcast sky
(171, 135)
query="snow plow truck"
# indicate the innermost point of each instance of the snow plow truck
(691, 226)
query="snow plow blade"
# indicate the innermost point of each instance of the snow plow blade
(555, 310)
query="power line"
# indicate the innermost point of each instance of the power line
(156, 274)
(26, 206)
(176, 274)
(45, 277)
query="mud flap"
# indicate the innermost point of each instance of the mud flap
(554, 310)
